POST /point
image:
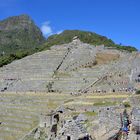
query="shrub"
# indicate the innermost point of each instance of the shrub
(138, 92)
(126, 104)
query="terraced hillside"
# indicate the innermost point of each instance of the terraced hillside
(19, 113)
(73, 68)
(34, 72)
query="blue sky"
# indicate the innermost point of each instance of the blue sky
(116, 19)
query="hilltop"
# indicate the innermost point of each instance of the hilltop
(86, 37)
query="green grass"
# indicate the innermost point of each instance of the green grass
(126, 104)
(90, 113)
(75, 113)
(105, 103)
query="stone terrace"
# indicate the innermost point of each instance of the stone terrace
(71, 68)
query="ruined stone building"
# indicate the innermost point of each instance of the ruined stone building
(73, 130)
(59, 127)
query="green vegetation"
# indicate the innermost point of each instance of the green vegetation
(138, 92)
(126, 104)
(6, 59)
(16, 36)
(104, 103)
(19, 37)
(18, 54)
(75, 114)
(86, 37)
(90, 113)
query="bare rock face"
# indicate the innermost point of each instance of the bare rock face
(19, 33)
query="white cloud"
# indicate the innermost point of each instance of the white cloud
(46, 28)
(59, 32)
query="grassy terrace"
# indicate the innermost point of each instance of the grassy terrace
(20, 111)
(98, 100)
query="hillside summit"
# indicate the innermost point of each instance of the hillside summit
(74, 68)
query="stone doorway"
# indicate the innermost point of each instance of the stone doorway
(68, 138)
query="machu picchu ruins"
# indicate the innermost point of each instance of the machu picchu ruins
(76, 63)
(66, 88)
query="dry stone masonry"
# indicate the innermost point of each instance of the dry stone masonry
(57, 127)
